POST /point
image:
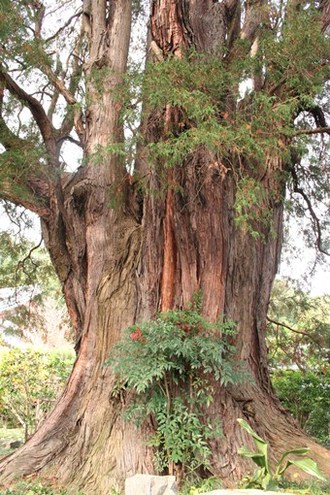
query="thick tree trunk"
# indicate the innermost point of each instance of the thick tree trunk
(119, 268)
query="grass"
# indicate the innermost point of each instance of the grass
(34, 488)
(305, 488)
(38, 488)
(8, 435)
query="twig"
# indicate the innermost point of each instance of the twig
(53, 36)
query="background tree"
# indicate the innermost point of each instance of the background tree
(202, 211)
(32, 306)
(298, 333)
(298, 339)
(306, 396)
(30, 382)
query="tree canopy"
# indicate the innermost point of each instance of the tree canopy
(275, 66)
(189, 158)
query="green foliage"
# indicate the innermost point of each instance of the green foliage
(34, 488)
(305, 488)
(200, 486)
(251, 206)
(307, 397)
(30, 382)
(265, 478)
(24, 264)
(298, 330)
(18, 267)
(7, 437)
(293, 59)
(21, 44)
(299, 54)
(169, 364)
(204, 121)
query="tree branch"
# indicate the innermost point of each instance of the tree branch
(300, 332)
(315, 219)
(317, 130)
(68, 22)
(71, 140)
(325, 11)
(11, 191)
(21, 263)
(58, 84)
(74, 118)
(39, 114)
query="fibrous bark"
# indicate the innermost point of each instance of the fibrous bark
(121, 265)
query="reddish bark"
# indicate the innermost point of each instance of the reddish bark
(119, 266)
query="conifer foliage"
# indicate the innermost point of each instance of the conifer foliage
(186, 168)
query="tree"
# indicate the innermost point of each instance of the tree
(30, 381)
(306, 396)
(33, 307)
(298, 340)
(203, 209)
(298, 334)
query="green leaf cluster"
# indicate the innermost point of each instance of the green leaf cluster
(264, 478)
(300, 54)
(169, 364)
(30, 382)
(24, 264)
(199, 485)
(307, 397)
(16, 19)
(254, 132)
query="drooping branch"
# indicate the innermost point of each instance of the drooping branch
(299, 190)
(28, 257)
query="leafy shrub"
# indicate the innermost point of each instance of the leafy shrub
(30, 382)
(307, 397)
(266, 478)
(168, 365)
